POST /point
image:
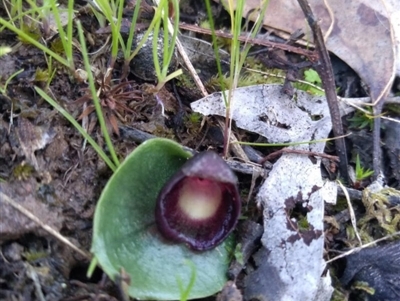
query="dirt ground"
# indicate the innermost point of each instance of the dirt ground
(48, 168)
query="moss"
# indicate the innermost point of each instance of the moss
(185, 81)
(364, 286)
(195, 118)
(192, 122)
(380, 219)
(164, 132)
(23, 171)
(41, 75)
(341, 204)
(32, 256)
(338, 296)
(303, 224)
(238, 254)
(32, 30)
(249, 77)
(57, 46)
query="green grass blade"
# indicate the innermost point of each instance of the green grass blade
(216, 51)
(96, 101)
(80, 129)
(132, 30)
(34, 42)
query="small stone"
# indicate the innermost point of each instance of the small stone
(12, 252)
(142, 65)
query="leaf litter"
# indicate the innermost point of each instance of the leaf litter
(82, 172)
(294, 182)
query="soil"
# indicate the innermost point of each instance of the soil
(47, 167)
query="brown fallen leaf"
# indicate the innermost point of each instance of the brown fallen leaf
(359, 32)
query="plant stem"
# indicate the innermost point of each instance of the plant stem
(325, 72)
(96, 101)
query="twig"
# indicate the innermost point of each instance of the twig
(297, 151)
(273, 45)
(47, 228)
(332, 16)
(376, 140)
(325, 72)
(356, 103)
(366, 100)
(190, 67)
(355, 250)
(351, 211)
(235, 147)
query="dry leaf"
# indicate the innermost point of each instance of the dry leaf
(294, 193)
(360, 33)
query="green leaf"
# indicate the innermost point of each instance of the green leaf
(312, 76)
(126, 236)
(312, 83)
(362, 173)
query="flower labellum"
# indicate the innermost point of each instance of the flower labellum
(200, 204)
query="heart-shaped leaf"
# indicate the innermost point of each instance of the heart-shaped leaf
(125, 235)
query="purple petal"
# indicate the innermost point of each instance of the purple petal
(200, 204)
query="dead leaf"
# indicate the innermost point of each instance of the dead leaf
(360, 33)
(293, 192)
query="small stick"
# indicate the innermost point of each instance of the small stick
(253, 41)
(376, 140)
(325, 71)
(355, 250)
(351, 212)
(235, 148)
(47, 228)
(297, 151)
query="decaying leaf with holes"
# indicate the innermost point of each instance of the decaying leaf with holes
(294, 193)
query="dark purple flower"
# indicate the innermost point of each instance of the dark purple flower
(200, 204)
